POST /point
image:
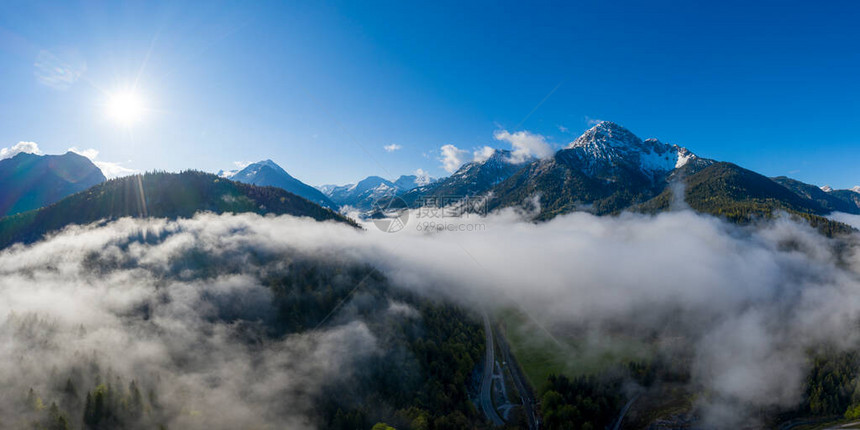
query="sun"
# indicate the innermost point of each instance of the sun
(125, 107)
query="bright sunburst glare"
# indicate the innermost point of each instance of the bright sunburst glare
(125, 107)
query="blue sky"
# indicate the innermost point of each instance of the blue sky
(322, 88)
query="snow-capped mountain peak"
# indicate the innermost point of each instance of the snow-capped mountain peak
(827, 188)
(270, 164)
(369, 183)
(408, 182)
(269, 173)
(608, 144)
(327, 188)
(252, 170)
(365, 193)
(607, 134)
(501, 160)
(856, 189)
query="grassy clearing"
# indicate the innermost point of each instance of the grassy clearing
(541, 354)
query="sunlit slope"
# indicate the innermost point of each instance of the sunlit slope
(741, 195)
(169, 195)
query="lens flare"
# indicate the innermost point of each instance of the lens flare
(125, 108)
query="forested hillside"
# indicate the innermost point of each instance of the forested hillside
(158, 194)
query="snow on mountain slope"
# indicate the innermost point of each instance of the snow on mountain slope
(370, 184)
(498, 167)
(471, 179)
(363, 194)
(227, 174)
(607, 145)
(252, 171)
(268, 173)
(408, 182)
(326, 189)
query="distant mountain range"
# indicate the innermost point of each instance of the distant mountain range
(741, 195)
(607, 170)
(829, 200)
(163, 195)
(469, 180)
(30, 181)
(267, 173)
(371, 190)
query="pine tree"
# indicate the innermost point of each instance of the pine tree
(70, 389)
(89, 413)
(135, 403)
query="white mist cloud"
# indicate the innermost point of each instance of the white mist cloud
(18, 148)
(393, 147)
(452, 157)
(109, 169)
(850, 219)
(525, 145)
(483, 154)
(114, 170)
(747, 302)
(75, 301)
(89, 153)
(421, 177)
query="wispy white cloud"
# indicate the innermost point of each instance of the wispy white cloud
(484, 153)
(525, 145)
(20, 147)
(592, 121)
(452, 157)
(563, 129)
(109, 169)
(239, 165)
(91, 153)
(393, 147)
(846, 218)
(59, 70)
(114, 170)
(422, 177)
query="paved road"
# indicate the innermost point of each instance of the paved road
(851, 425)
(487, 382)
(803, 422)
(624, 412)
(526, 395)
